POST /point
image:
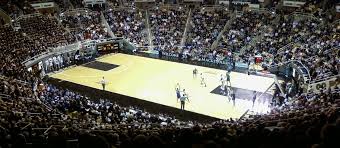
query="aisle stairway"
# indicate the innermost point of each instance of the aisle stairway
(104, 22)
(5, 16)
(187, 25)
(254, 40)
(225, 28)
(149, 30)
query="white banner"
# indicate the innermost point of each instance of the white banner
(93, 2)
(337, 8)
(255, 6)
(226, 2)
(43, 5)
(330, 83)
(293, 3)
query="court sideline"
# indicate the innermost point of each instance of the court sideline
(154, 80)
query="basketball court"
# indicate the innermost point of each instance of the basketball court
(154, 80)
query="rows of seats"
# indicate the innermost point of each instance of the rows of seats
(85, 25)
(244, 28)
(308, 41)
(114, 2)
(34, 113)
(10, 8)
(306, 120)
(51, 34)
(205, 27)
(77, 3)
(167, 27)
(15, 48)
(25, 6)
(129, 23)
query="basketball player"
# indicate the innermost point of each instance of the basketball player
(229, 96)
(228, 79)
(222, 89)
(226, 89)
(178, 86)
(233, 97)
(103, 83)
(194, 73)
(222, 86)
(183, 98)
(254, 97)
(222, 80)
(250, 64)
(203, 81)
(178, 91)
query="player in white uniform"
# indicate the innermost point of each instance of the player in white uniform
(203, 81)
(178, 87)
(222, 86)
(222, 89)
(222, 79)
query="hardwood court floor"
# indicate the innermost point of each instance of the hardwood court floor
(154, 80)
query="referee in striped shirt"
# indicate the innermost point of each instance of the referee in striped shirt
(183, 98)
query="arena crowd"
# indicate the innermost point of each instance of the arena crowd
(34, 113)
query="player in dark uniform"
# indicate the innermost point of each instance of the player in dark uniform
(222, 79)
(233, 97)
(178, 91)
(228, 83)
(194, 73)
(254, 98)
(226, 89)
